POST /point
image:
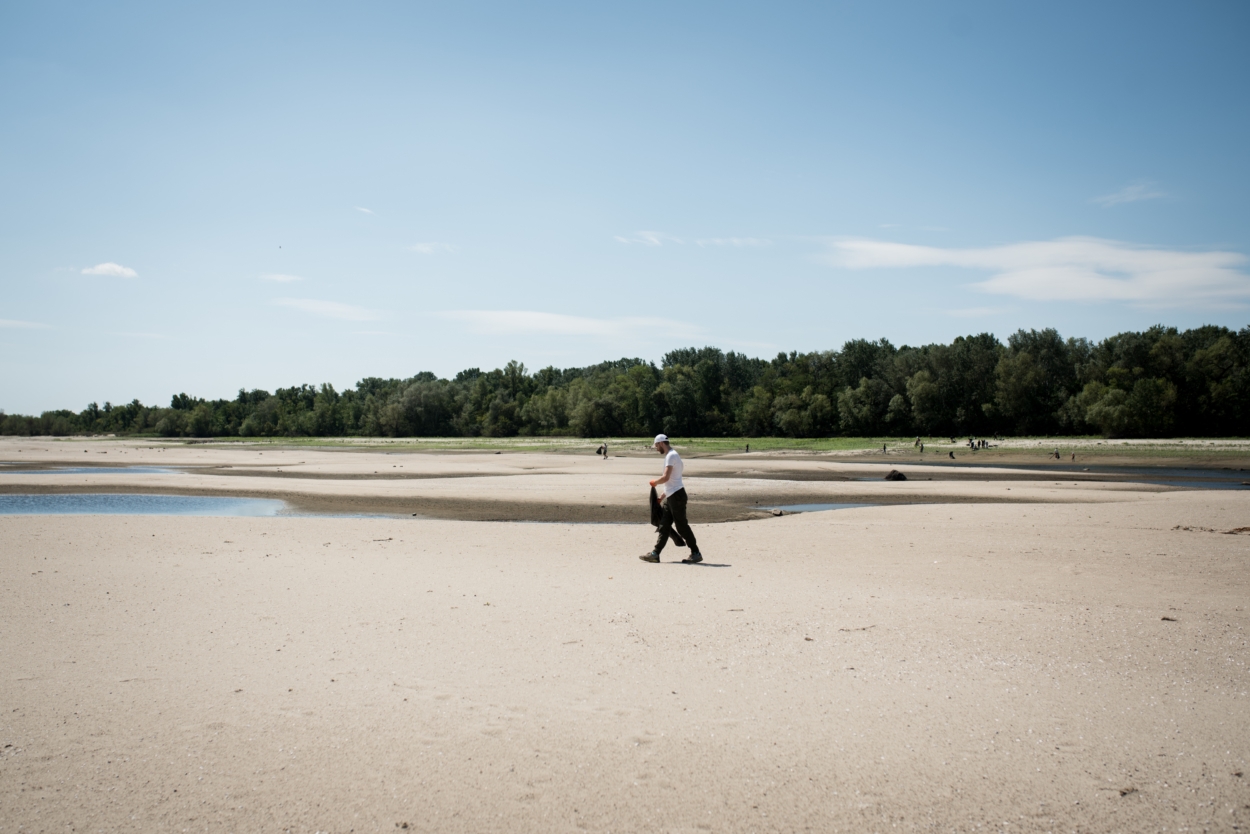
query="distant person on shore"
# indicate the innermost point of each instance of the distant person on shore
(952, 455)
(922, 448)
(674, 504)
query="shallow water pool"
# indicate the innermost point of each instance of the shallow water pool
(814, 508)
(128, 504)
(93, 470)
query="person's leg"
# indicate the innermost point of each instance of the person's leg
(676, 510)
(666, 528)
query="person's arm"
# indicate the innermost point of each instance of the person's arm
(668, 473)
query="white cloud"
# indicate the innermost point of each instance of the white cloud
(280, 278)
(111, 269)
(330, 309)
(431, 248)
(1130, 194)
(1071, 269)
(22, 325)
(365, 210)
(734, 241)
(650, 238)
(529, 322)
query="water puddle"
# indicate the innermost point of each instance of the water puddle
(1173, 476)
(125, 504)
(813, 508)
(92, 470)
(185, 505)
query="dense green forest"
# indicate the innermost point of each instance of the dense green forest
(1157, 383)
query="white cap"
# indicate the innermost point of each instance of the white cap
(660, 438)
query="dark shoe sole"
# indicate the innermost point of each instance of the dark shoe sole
(648, 557)
(692, 559)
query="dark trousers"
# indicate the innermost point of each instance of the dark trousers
(675, 516)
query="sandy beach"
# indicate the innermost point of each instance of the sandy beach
(989, 650)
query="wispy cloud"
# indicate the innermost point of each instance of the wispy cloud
(1072, 269)
(111, 269)
(650, 238)
(975, 312)
(430, 248)
(329, 309)
(364, 210)
(531, 323)
(280, 277)
(23, 325)
(734, 241)
(1134, 193)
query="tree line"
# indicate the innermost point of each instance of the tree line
(1156, 383)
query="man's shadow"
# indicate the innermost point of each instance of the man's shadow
(700, 564)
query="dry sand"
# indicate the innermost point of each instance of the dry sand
(1072, 661)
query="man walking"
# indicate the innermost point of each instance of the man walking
(674, 504)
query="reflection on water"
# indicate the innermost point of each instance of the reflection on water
(102, 504)
(1173, 476)
(815, 508)
(1196, 484)
(93, 470)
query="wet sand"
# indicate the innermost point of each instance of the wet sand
(1074, 660)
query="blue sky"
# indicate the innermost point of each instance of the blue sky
(259, 195)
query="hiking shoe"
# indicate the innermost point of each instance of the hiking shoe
(650, 557)
(693, 559)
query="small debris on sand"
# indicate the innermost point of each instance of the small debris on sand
(1170, 620)
(895, 475)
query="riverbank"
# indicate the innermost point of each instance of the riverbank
(556, 487)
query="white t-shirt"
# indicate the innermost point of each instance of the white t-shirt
(674, 482)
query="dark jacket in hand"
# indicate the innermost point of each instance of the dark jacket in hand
(657, 518)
